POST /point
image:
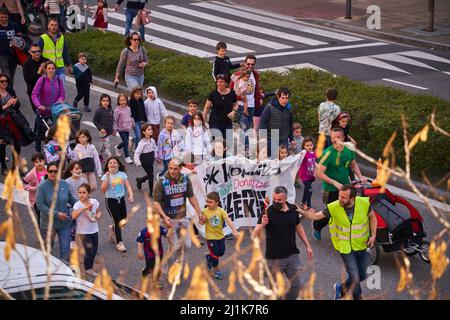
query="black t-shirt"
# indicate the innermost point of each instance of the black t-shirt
(6, 33)
(280, 232)
(221, 106)
(349, 211)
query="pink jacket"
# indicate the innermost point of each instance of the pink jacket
(31, 185)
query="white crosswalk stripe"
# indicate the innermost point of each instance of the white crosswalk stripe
(279, 22)
(220, 31)
(245, 26)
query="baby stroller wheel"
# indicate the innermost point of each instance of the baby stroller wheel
(374, 254)
(424, 251)
(412, 249)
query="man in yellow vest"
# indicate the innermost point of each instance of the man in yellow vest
(54, 48)
(353, 227)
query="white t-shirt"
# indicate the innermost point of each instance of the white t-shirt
(251, 92)
(84, 224)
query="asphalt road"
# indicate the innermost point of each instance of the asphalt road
(327, 264)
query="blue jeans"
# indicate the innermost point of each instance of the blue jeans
(130, 14)
(60, 73)
(63, 239)
(165, 166)
(124, 135)
(137, 132)
(245, 123)
(134, 81)
(356, 263)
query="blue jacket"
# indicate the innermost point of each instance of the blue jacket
(63, 200)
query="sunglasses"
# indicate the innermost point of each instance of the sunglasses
(35, 51)
(135, 39)
(52, 171)
(3, 81)
(250, 64)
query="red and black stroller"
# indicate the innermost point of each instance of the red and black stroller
(400, 225)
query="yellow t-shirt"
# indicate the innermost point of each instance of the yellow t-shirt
(214, 223)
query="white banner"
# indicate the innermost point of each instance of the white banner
(242, 185)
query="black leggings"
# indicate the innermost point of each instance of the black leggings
(118, 211)
(147, 160)
(329, 197)
(83, 91)
(307, 193)
(3, 155)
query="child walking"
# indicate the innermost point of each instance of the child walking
(145, 156)
(137, 107)
(222, 64)
(86, 212)
(52, 149)
(115, 185)
(74, 178)
(213, 217)
(306, 171)
(145, 250)
(192, 107)
(100, 14)
(170, 143)
(83, 80)
(123, 123)
(342, 121)
(297, 141)
(103, 120)
(155, 110)
(88, 158)
(328, 111)
(197, 140)
(33, 178)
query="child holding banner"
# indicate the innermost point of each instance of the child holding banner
(213, 217)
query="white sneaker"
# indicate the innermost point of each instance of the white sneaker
(118, 152)
(121, 247)
(128, 160)
(72, 245)
(91, 272)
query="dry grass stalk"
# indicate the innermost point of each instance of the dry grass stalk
(439, 260)
(186, 271)
(232, 283)
(406, 276)
(435, 127)
(320, 144)
(308, 292)
(198, 288)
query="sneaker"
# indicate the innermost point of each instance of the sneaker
(337, 291)
(72, 245)
(208, 261)
(75, 104)
(128, 160)
(111, 233)
(138, 183)
(91, 272)
(316, 234)
(87, 109)
(121, 247)
(218, 275)
(229, 236)
(118, 152)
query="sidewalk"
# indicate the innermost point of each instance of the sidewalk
(401, 20)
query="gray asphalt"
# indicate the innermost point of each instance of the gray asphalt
(327, 264)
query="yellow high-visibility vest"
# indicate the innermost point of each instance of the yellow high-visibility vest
(52, 51)
(349, 236)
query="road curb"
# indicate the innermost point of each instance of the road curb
(378, 34)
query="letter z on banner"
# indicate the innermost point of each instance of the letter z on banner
(242, 185)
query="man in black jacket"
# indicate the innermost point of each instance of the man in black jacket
(277, 116)
(33, 69)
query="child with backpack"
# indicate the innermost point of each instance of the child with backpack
(87, 155)
(123, 123)
(103, 120)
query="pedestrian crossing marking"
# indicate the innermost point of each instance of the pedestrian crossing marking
(400, 57)
(245, 26)
(183, 34)
(286, 69)
(277, 22)
(223, 32)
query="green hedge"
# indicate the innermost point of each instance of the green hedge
(375, 110)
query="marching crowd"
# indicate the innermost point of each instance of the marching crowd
(238, 97)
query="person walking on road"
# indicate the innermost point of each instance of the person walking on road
(131, 11)
(132, 62)
(54, 47)
(333, 170)
(353, 227)
(169, 195)
(281, 223)
(8, 60)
